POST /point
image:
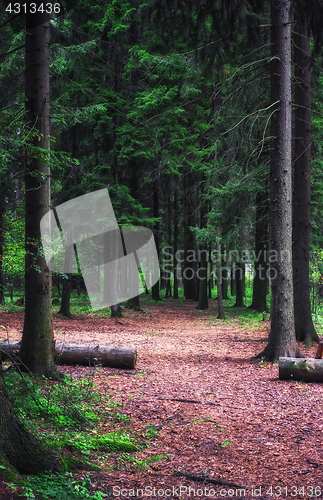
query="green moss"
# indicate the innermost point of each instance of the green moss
(86, 443)
(73, 463)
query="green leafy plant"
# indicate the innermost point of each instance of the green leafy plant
(63, 487)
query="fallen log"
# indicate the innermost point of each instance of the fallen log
(306, 369)
(79, 354)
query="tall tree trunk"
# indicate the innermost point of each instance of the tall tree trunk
(155, 287)
(224, 274)
(219, 284)
(233, 280)
(134, 302)
(2, 209)
(175, 293)
(17, 445)
(67, 281)
(67, 285)
(239, 279)
(282, 340)
(190, 263)
(210, 280)
(304, 327)
(203, 302)
(37, 346)
(169, 233)
(259, 292)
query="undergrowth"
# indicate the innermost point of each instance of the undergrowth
(79, 424)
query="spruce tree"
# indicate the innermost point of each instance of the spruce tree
(37, 344)
(282, 340)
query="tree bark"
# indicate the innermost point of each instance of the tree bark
(66, 296)
(175, 286)
(17, 445)
(134, 302)
(67, 281)
(224, 275)
(155, 287)
(203, 302)
(76, 354)
(37, 346)
(168, 292)
(210, 280)
(304, 327)
(233, 281)
(259, 292)
(282, 341)
(67, 286)
(239, 279)
(190, 264)
(219, 285)
(2, 209)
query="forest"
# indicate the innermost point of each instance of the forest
(199, 125)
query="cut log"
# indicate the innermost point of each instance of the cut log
(79, 354)
(115, 357)
(306, 369)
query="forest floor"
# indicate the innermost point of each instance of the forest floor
(215, 412)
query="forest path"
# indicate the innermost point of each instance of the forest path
(236, 422)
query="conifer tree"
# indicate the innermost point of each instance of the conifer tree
(282, 341)
(304, 326)
(37, 344)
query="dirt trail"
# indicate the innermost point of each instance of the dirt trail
(215, 412)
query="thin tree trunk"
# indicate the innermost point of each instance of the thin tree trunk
(224, 274)
(169, 231)
(155, 287)
(175, 292)
(239, 279)
(259, 292)
(202, 270)
(134, 302)
(282, 341)
(67, 285)
(304, 327)
(37, 346)
(219, 285)
(190, 264)
(2, 205)
(233, 280)
(210, 280)
(202, 280)
(66, 296)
